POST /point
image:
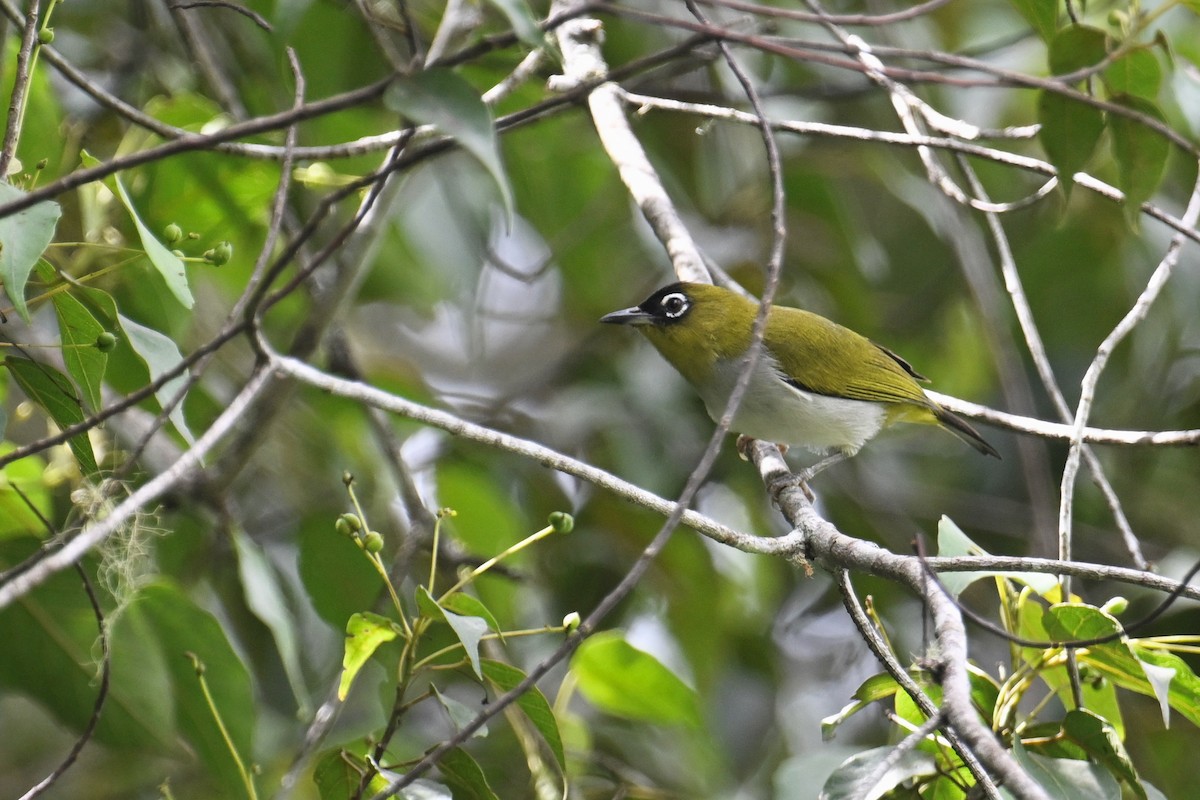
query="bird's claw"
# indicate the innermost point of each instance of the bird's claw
(791, 480)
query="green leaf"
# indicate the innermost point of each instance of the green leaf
(533, 704)
(459, 713)
(468, 606)
(79, 331)
(1069, 132)
(1077, 47)
(338, 774)
(464, 777)
(1141, 154)
(469, 630)
(365, 633)
(859, 777)
(877, 687)
(167, 263)
(57, 665)
(1121, 661)
(441, 98)
(1136, 73)
(1068, 779)
(1100, 740)
(17, 519)
(1041, 14)
(952, 541)
(182, 628)
(54, 392)
(266, 599)
(160, 355)
(619, 679)
(1160, 679)
(24, 236)
(520, 16)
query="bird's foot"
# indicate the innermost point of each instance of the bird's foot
(744, 443)
(791, 480)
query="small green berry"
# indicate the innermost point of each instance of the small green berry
(105, 342)
(373, 541)
(351, 521)
(562, 522)
(46, 35)
(220, 254)
(1115, 606)
(172, 233)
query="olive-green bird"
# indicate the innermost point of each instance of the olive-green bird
(817, 384)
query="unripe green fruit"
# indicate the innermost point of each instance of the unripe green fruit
(373, 541)
(105, 342)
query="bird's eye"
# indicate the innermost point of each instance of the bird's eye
(673, 305)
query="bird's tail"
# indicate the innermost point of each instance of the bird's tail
(963, 430)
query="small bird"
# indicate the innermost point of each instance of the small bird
(816, 384)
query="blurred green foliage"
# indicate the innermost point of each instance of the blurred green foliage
(459, 306)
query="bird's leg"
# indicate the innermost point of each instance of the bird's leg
(744, 443)
(802, 478)
(807, 475)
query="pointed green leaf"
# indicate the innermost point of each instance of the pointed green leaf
(266, 599)
(80, 331)
(459, 713)
(441, 98)
(872, 774)
(24, 236)
(1077, 47)
(1069, 132)
(1041, 14)
(1137, 73)
(338, 774)
(160, 355)
(365, 633)
(55, 394)
(619, 679)
(1100, 740)
(533, 703)
(1160, 678)
(468, 606)
(1141, 154)
(1068, 779)
(464, 777)
(1122, 661)
(952, 541)
(181, 628)
(167, 263)
(469, 631)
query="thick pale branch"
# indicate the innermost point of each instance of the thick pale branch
(835, 551)
(579, 40)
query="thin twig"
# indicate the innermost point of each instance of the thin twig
(16, 103)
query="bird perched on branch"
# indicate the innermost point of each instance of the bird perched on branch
(816, 384)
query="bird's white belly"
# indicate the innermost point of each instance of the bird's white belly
(778, 412)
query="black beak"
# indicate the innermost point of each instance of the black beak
(628, 316)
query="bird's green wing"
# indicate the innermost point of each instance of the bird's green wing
(837, 362)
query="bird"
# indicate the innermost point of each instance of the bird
(816, 384)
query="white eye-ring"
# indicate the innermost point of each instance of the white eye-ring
(674, 305)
